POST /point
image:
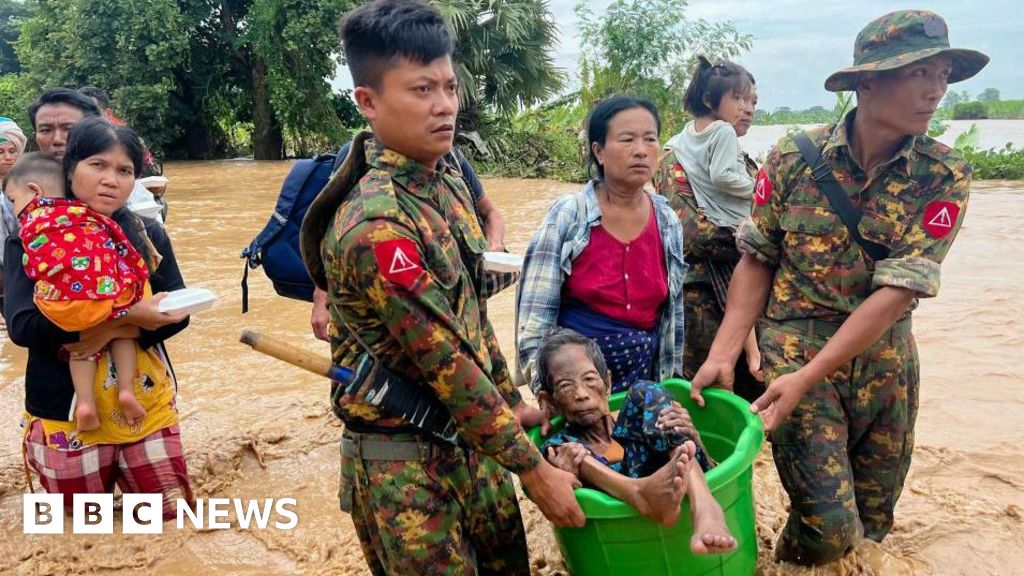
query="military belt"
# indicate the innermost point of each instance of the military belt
(373, 447)
(827, 328)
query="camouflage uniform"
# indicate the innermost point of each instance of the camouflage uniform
(402, 260)
(844, 452)
(703, 240)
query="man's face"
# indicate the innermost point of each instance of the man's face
(53, 123)
(904, 100)
(578, 391)
(413, 110)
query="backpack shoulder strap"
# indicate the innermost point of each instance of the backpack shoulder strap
(321, 211)
(821, 171)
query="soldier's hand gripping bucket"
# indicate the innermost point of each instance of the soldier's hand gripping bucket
(616, 540)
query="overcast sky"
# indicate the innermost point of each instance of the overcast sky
(798, 43)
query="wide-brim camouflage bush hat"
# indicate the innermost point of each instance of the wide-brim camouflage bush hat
(901, 38)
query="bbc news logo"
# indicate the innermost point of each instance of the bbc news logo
(143, 514)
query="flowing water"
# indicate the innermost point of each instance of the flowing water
(257, 428)
(991, 134)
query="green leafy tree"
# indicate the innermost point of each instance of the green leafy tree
(298, 44)
(120, 45)
(188, 73)
(649, 47)
(14, 100)
(11, 15)
(989, 95)
(502, 55)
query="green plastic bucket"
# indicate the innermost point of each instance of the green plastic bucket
(616, 540)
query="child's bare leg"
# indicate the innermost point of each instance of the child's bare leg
(123, 352)
(710, 534)
(657, 496)
(83, 376)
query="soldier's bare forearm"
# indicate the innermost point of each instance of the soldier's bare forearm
(860, 330)
(748, 292)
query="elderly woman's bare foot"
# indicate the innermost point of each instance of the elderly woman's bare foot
(659, 495)
(710, 534)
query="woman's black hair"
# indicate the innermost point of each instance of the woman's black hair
(555, 341)
(96, 135)
(601, 116)
(712, 81)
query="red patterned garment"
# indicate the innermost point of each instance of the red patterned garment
(84, 267)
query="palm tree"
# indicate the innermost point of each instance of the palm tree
(502, 55)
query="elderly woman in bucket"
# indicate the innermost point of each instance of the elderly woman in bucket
(607, 261)
(650, 456)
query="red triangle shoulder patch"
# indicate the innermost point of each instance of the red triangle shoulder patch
(398, 261)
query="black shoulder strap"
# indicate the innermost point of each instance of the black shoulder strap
(821, 171)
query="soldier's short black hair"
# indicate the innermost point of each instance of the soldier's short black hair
(36, 167)
(601, 116)
(555, 341)
(712, 81)
(67, 96)
(101, 96)
(376, 34)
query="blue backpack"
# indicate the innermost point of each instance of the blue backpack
(276, 248)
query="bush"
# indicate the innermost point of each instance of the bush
(536, 143)
(1006, 109)
(1004, 164)
(970, 111)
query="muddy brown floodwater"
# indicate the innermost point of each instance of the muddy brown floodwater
(256, 428)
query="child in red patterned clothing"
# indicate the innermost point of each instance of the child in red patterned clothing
(85, 271)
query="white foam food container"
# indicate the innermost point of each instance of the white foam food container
(188, 300)
(153, 181)
(502, 262)
(147, 208)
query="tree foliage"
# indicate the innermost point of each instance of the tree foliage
(186, 72)
(121, 45)
(989, 95)
(12, 13)
(502, 54)
(648, 47)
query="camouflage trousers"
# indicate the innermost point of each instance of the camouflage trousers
(702, 319)
(844, 453)
(452, 512)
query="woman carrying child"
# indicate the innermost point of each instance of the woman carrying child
(85, 273)
(144, 456)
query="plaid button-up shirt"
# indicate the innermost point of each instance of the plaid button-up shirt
(560, 239)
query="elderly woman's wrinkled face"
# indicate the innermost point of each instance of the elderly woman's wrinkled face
(578, 391)
(630, 148)
(8, 156)
(104, 181)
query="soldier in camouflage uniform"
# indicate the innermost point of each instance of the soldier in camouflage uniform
(841, 361)
(394, 241)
